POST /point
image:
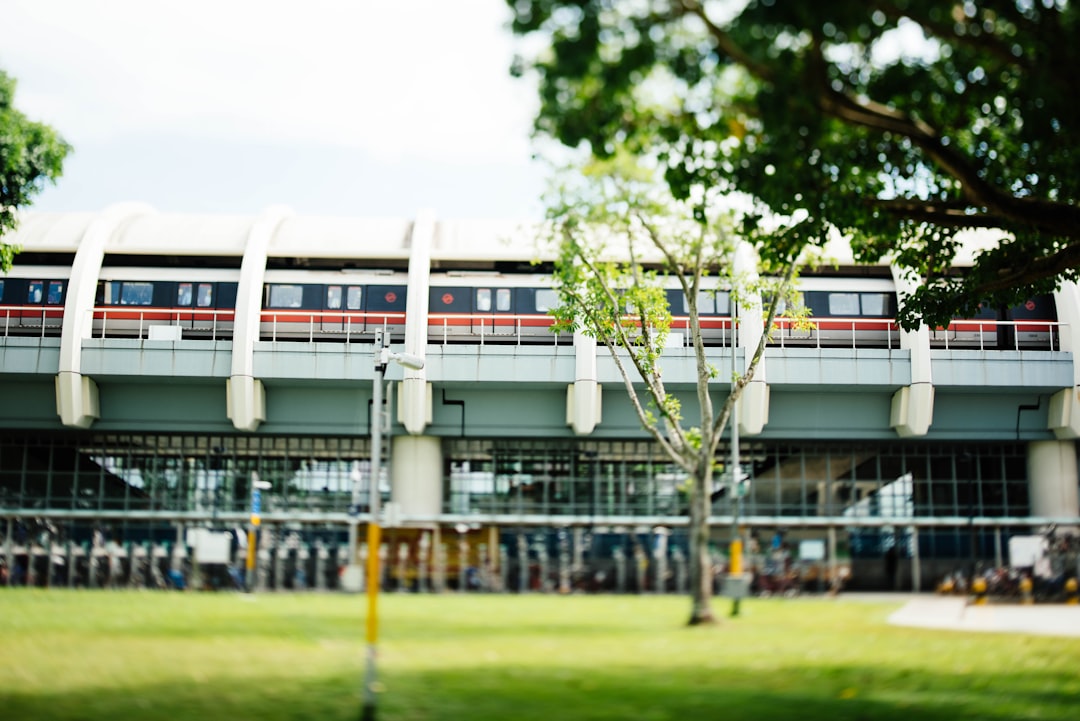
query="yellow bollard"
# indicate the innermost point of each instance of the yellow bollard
(1025, 591)
(736, 557)
(979, 588)
(1071, 592)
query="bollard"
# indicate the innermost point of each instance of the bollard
(1071, 592)
(1025, 591)
(978, 586)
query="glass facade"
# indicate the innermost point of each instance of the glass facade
(207, 474)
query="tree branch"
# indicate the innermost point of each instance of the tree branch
(1048, 266)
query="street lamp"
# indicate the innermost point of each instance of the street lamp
(257, 487)
(383, 356)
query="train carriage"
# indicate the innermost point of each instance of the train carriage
(200, 302)
(317, 305)
(490, 308)
(1031, 325)
(32, 300)
(843, 312)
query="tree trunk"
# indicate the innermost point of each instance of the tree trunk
(701, 576)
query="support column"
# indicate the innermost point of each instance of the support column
(76, 394)
(414, 401)
(1064, 416)
(417, 476)
(583, 397)
(754, 401)
(245, 397)
(1052, 479)
(912, 409)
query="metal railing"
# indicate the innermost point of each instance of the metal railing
(128, 321)
(533, 329)
(522, 329)
(987, 335)
(41, 322)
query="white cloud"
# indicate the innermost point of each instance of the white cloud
(398, 79)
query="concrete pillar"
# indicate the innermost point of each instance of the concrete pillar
(417, 476)
(1052, 479)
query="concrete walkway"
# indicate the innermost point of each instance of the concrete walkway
(955, 614)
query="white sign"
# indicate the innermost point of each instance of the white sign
(210, 546)
(811, 550)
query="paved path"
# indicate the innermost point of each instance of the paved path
(956, 614)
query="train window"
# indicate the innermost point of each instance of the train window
(354, 297)
(33, 291)
(183, 294)
(286, 296)
(546, 300)
(483, 299)
(333, 297)
(875, 304)
(136, 293)
(502, 299)
(206, 295)
(1, 289)
(56, 292)
(711, 302)
(844, 304)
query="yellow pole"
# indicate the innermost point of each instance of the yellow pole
(249, 565)
(736, 557)
(373, 541)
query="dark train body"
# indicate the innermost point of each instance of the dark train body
(328, 305)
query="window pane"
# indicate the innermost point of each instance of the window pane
(483, 299)
(875, 304)
(354, 297)
(1, 288)
(502, 299)
(56, 291)
(33, 291)
(112, 293)
(286, 296)
(705, 303)
(183, 294)
(333, 297)
(844, 304)
(723, 303)
(136, 293)
(546, 300)
(206, 295)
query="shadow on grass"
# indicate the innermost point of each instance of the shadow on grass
(816, 691)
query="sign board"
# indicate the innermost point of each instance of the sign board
(813, 550)
(210, 546)
(1026, 551)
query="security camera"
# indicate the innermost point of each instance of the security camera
(408, 360)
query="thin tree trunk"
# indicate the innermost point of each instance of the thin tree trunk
(701, 577)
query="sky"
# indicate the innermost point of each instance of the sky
(331, 107)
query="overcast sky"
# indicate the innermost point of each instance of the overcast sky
(336, 107)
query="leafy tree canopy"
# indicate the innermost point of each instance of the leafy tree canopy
(30, 154)
(898, 122)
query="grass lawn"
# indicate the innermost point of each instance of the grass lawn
(116, 656)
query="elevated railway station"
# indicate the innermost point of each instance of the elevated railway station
(158, 369)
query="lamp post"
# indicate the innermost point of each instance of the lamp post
(735, 568)
(383, 356)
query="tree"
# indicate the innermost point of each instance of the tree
(621, 239)
(30, 154)
(900, 123)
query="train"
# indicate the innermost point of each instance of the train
(346, 305)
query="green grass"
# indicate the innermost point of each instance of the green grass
(92, 655)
